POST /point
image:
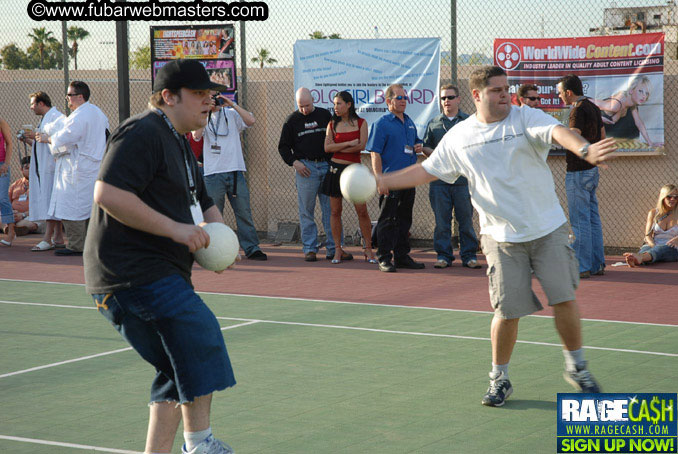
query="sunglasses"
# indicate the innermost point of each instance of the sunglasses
(532, 98)
(445, 98)
(72, 94)
(400, 98)
(674, 197)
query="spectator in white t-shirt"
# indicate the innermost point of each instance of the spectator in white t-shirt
(224, 167)
(502, 151)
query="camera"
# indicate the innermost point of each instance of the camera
(218, 101)
(21, 133)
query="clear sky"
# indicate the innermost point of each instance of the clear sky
(478, 22)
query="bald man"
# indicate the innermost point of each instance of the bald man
(302, 146)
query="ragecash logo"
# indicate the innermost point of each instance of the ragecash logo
(508, 55)
(619, 423)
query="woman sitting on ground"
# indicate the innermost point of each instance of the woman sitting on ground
(661, 239)
(346, 138)
(18, 196)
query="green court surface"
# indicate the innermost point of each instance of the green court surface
(313, 377)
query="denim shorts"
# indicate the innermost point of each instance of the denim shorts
(171, 328)
(510, 266)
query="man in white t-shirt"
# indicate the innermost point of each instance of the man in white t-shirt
(224, 168)
(502, 151)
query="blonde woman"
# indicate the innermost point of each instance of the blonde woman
(661, 237)
(620, 111)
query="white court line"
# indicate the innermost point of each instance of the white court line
(250, 321)
(83, 358)
(75, 360)
(448, 336)
(286, 298)
(67, 445)
(66, 306)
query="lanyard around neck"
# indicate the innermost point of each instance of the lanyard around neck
(215, 128)
(183, 144)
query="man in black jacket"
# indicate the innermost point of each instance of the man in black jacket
(302, 146)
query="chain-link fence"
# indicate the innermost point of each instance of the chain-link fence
(266, 86)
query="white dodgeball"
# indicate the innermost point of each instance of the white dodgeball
(357, 183)
(223, 248)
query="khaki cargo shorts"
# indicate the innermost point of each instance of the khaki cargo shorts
(509, 269)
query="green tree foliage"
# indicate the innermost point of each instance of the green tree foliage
(320, 35)
(52, 56)
(263, 56)
(140, 58)
(13, 57)
(75, 34)
(42, 39)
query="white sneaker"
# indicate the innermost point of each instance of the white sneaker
(441, 264)
(209, 445)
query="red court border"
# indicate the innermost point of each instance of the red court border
(646, 294)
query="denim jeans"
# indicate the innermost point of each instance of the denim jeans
(584, 218)
(308, 188)
(172, 329)
(219, 186)
(5, 205)
(394, 225)
(444, 198)
(661, 253)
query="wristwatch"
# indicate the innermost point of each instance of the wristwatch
(584, 151)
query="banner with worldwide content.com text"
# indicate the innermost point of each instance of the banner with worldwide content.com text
(622, 74)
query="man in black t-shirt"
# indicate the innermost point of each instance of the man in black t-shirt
(149, 201)
(302, 146)
(581, 179)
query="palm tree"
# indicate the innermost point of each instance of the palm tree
(76, 34)
(42, 38)
(320, 35)
(263, 56)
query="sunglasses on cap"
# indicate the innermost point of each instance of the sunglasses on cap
(445, 98)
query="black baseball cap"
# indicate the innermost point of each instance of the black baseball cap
(183, 73)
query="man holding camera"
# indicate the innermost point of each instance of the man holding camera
(224, 168)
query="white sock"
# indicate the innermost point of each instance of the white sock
(193, 439)
(573, 359)
(497, 369)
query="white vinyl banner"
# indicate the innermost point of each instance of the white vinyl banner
(365, 68)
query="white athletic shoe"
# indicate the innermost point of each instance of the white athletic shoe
(209, 445)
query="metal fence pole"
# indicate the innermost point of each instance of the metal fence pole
(453, 41)
(242, 89)
(123, 70)
(64, 46)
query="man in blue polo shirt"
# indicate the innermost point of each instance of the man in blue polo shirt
(393, 145)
